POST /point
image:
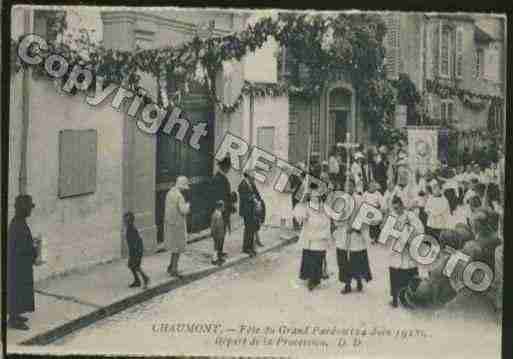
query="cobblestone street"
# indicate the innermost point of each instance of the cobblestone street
(265, 292)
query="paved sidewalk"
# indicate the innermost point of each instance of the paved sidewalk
(72, 302)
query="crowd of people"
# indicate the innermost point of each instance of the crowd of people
(462, 207)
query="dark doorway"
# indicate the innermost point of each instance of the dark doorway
(340, 118)
(176, 158)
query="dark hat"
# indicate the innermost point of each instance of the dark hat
(23, 200)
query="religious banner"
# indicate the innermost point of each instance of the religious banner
(422, 147)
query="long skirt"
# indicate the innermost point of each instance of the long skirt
(312, 263)
(400, 278)
(356, 267)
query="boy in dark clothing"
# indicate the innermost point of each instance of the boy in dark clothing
(135, 251)
(218, 230)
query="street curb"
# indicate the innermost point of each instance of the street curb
(116, 307)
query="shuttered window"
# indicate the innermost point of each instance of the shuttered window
(78, 151)
(459, 52)
(393, 45)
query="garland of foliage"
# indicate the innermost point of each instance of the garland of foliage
(324, 46)
(466, 96)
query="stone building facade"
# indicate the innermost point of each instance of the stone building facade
(130, 169)
(466, 52)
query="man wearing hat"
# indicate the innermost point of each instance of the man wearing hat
(21, 256)
(222, 191)
(177, 208)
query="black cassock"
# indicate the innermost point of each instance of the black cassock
(20, 274)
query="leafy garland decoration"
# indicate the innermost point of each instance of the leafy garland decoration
(466, 96)
(326, 45)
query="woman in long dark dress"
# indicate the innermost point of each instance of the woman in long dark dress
(21, 256)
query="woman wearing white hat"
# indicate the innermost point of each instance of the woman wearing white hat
(175, 222)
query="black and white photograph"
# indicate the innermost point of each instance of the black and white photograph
(255, 182)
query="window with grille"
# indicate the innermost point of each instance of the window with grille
(445, 51)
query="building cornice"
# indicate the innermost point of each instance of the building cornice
(159, 20)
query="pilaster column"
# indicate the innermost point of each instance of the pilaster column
(121, 29)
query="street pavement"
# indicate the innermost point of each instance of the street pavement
(266, 292)
(80, 296)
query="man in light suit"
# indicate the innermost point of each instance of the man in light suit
(175, 222)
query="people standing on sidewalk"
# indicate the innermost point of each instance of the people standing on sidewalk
(247, 193)
(315, 237)
(175, 222)
(352, 256)
(135, 251)
(222, 191)
(218, 232)
(21, 256)
(402, 267)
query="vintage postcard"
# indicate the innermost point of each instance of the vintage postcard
(227, 183)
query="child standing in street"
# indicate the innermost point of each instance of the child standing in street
(135, 251)
(218, 232)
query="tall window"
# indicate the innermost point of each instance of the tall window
(393, 42)
(495, 118)
(459, 53)
(446, 112)
(478, 63)
(445, 51)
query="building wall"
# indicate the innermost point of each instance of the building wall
(77, 231)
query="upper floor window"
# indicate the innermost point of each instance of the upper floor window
(478, 63)
(445, 51)
(447, 115)
(393, 42)
(459, 53)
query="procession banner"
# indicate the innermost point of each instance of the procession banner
(422, 148)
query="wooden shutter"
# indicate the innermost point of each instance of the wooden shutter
(459, 53)
(491, 63)
(78, 151)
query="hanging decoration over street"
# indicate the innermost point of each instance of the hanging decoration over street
(325, 46)
(466, 96)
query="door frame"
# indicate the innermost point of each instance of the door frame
(351, 122)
